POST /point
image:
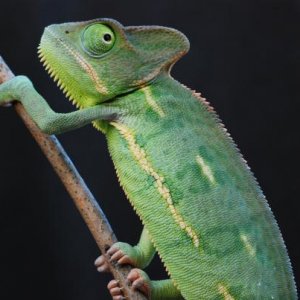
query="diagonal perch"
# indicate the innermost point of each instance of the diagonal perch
(76, 187)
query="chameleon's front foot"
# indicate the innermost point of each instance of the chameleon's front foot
(138, 280)
(12, 89)
(123, 254)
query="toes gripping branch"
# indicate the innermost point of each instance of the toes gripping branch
(81, 195)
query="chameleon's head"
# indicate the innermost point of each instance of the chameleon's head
(97, 60)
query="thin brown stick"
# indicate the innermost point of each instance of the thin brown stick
(76, 187)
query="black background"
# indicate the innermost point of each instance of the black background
(244, 57)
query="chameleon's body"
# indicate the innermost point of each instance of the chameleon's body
(202, 207)
(238, 247)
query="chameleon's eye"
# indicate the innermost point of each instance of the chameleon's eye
(97, 39)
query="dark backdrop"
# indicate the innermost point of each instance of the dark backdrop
(245, 58)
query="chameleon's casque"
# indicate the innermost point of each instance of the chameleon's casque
(181, 171)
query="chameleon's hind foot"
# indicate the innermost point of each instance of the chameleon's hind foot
(140, 281)
(115, 290)
(137, 279)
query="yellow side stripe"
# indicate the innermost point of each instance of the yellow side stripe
(163, 190)
(224, 292)
(205, 169)
(248, 245)
(150, 100)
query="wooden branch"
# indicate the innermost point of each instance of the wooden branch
(81, 195)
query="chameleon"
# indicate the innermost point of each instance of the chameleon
(201, 207)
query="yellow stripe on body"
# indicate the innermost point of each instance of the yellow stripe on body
(251, 250)
(224, 292)
(163, 190)
(205, 169)
(150, 100)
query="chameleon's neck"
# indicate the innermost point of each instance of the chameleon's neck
(165, 84)
(164, 94)
(157, 95)
(157, 98)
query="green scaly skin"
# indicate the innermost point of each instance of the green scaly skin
(202, 209)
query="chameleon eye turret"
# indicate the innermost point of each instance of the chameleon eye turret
(97, 39)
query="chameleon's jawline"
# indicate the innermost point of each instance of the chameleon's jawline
(55, 76)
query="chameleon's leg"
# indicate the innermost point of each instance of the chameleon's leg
(154, 290)
(164, 289)
(138, 256)
(20, 88)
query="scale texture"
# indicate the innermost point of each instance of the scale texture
(238, 252)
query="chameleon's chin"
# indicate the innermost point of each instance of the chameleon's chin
(55, 71)
(53, 74)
